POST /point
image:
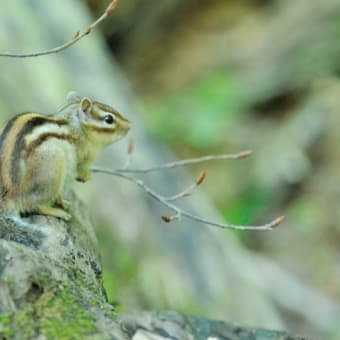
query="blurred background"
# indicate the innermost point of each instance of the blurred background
(201, 77)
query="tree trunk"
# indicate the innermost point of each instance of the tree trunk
(51, 288)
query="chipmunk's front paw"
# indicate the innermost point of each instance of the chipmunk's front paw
(84, 176)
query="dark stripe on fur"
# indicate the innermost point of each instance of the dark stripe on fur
(3, 137)
(20, 142)
(44, 137)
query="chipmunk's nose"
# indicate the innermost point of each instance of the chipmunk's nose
(125, 127)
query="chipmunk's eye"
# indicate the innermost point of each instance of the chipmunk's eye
(109, 119)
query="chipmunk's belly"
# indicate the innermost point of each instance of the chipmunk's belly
(49, 171)
(70, 168)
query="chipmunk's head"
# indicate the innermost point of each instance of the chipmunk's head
(101, 123)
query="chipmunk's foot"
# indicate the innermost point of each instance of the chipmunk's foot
(55, 212)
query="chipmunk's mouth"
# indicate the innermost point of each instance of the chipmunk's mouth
(122, 131)
(124, 127)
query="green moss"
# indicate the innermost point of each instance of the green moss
(5, 326)
(66, 318)
(57, 314)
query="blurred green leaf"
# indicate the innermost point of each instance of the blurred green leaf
(200, 114)
(248, 207)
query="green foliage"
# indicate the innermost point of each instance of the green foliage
(306, 213)
(248, 207)
(201, 114)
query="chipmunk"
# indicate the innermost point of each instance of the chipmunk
(41, 155)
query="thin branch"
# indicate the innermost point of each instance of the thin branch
(179, 212)
(79, 35)
(184, 162)
(188, 191)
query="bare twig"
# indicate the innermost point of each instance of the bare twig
(178, 212)
(184, 162)
(188, 191)
(77, 36)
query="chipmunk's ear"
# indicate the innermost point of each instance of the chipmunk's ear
(86, 105)
(72, 97)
